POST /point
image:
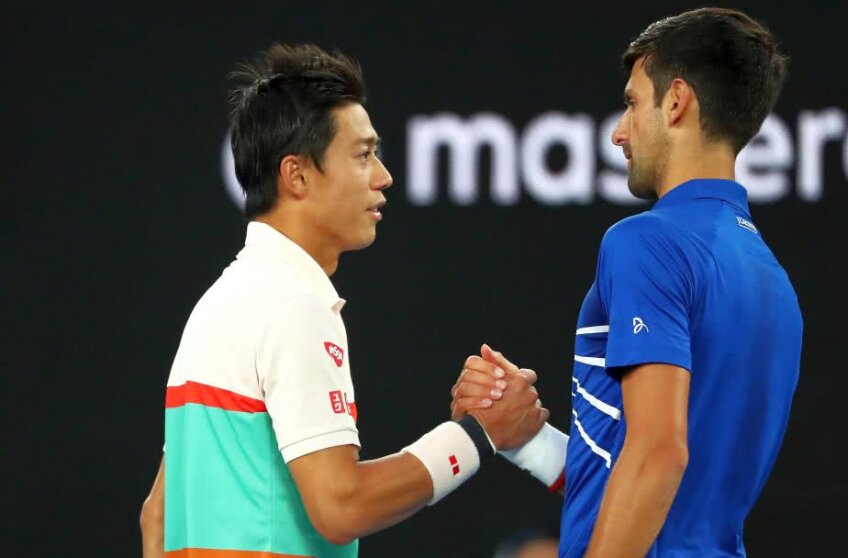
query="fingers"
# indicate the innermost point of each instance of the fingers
(495, 357)
(529, 375)
(519, 381)
(461, 406)
(477, 363)
(472, 383)
(490, 383)
(493, 362)
(520, 394)
(475, 390)
(510, 422)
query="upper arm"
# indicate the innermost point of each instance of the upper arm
(308, 393)
(646, 286)
(303, 370)
(324, 479)
(656, 401)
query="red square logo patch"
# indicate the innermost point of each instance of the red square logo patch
(337, 402)
(454, 465)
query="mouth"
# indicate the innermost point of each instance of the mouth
(374, 210)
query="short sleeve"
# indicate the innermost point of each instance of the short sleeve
(305, 378)
(646, 286)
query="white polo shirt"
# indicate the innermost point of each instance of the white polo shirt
(270, 329)
(261, 377)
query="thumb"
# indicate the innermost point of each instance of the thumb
(495, 357)
(488, 354)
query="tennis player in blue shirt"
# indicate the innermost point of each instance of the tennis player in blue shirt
(688, 342)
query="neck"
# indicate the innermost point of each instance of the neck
(708, 160)
(298, 231)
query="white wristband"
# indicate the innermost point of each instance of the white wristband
(450, 456)
(543, 456)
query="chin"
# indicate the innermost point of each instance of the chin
(641, 188)
(642, 192)
(363, 242)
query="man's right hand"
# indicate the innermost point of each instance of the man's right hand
(518, 414)
(482, 381)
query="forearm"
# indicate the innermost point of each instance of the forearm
(152, 518)
(152, 539)
(347, 499)
(639, 493)
(386, 491)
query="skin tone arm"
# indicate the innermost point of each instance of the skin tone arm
(346, 498)
(647, 474)
(152, 518)
(651, 465)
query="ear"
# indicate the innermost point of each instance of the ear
(291, 180)
(679, 100)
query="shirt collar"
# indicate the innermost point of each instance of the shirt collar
(706, 188)
(267, 238)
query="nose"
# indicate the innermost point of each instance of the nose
(619, 133)
(382, 178)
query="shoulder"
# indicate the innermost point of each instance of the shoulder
(633, 231)
(255, 295)
(300, 315)
(263, 280)
(648, 242)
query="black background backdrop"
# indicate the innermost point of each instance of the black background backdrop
(115, 220)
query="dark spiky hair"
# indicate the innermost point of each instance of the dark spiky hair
(730, 60)
(283, 105)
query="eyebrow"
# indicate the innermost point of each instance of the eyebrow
(369, 140)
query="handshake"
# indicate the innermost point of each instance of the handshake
(501, 397)
(495, 409)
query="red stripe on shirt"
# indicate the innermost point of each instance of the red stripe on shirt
(213, 553)
(211, 396)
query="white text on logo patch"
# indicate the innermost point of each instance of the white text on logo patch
(335, 352)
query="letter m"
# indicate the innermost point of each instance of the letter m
(463, 140)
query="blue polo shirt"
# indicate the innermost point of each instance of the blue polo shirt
(689, 283)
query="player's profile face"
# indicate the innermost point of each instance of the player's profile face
(348, 194)
(640, 133)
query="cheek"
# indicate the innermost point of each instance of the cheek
(634, 126)
(349, 203)
(647, 128)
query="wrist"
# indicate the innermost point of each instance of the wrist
(452, 453)
(477, 432)
(543, 456)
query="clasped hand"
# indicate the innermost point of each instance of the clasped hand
(501, 397)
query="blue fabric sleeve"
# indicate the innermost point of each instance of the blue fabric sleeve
(646, 286)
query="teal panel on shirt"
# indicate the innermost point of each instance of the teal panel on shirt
(227, 487)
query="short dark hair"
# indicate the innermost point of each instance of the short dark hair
(283, 105)
(730, 60)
